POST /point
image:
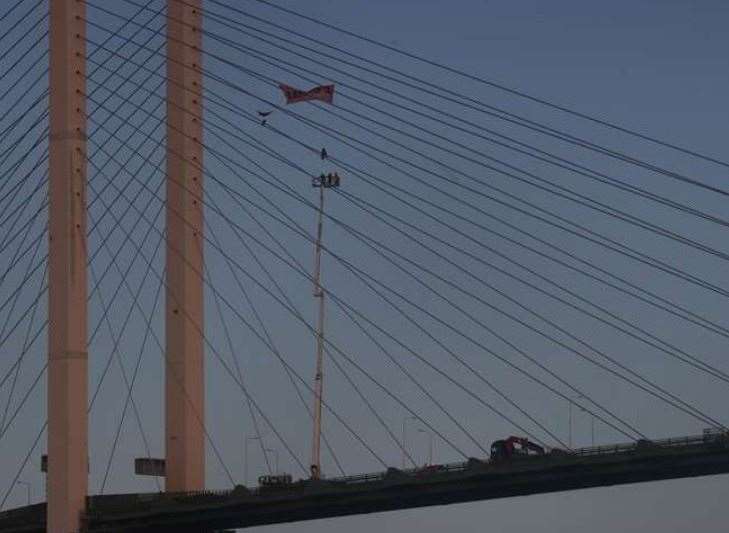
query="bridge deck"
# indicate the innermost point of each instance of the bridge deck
(395, 489)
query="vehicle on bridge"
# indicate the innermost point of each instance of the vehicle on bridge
(276, 481)
(515, 447)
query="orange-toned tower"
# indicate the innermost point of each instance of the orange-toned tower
(184, 387)
(67, 480)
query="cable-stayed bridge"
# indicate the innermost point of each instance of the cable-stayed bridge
(395, 489)
(487, 263)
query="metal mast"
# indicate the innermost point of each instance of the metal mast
(184, 372)
(67, 480)
(322, 182)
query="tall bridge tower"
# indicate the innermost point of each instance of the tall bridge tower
(67, 480)
(184, 379)
(67, 315)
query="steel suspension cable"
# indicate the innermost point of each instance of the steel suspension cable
(26, 228)
(93, 291)
(269, 339)
(674, 273)
(697, 413)
(193, 163)
(673, 350)
(580, 199)
(128, 395)
(235, 311)
(483, 81)
(135, 302)
(27, 335)
(12, 194)
(589, 235)
(691, 316)
(285, 297)
(18, 141)
(41, 292)
(555, 160)
(116, 339)
(304, 274)
(276, 62)
(489, 384)
(123, 166)
(651, 383)
(93, 256)
(112, 72)
(614, 245)
(236, 365)
(24, 351)
(32, 47)
(15, 6)
(299, 315)
(232, 374)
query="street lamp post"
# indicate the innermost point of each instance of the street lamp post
(571, 401)
(276, 456)
(592, 425)
(245, 457)
(592, 430)
(431, 444)
(404, 440)
(569, 439)
(27, 488)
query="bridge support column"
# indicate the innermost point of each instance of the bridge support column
(67, 479)
(184, 380)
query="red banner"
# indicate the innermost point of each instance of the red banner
(323, 93)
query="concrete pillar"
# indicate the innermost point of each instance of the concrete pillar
(67, 477)
(184, 382)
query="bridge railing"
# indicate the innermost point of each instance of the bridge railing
(162, 500)
(709, 436)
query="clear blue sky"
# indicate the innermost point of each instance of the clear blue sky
(657, 66)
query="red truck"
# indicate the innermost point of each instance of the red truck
(515, 447)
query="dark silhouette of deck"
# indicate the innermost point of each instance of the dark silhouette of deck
(396, 489)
